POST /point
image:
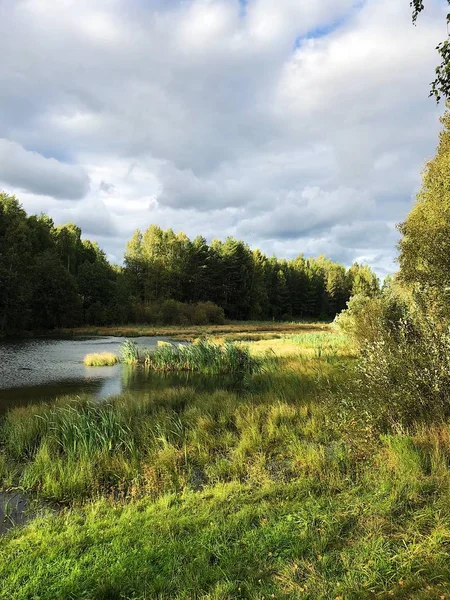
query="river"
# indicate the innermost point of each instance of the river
(35, 370)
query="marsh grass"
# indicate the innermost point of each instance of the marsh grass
(234, 330)
(309, 523)
(203, 356)
(181, 493)
(129, 352)
(323, 345)
(104, 359)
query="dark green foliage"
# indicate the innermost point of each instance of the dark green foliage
(246, 284)
(51, 277)
(173, 312)
(36, 289)
(55, 302)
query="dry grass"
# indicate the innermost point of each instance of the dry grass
(104, 359)
(232, 331)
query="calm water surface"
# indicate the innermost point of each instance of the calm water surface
(43, 369)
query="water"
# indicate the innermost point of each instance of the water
(42, 369)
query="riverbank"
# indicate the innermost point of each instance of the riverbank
(265, 491)
(234, 330)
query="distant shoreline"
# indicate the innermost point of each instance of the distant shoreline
(236, 329)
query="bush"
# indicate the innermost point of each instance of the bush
(214, 314)
(362, 319)
(403, 373)
(365, 316)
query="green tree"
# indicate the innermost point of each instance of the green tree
(15, 257)
(441, 85)
(362, 280)
(283, 296)
(237, 276)
(195, 282)
(55, 301)
(260, 297)
(425, 243)
(135, 266)
(96, 281)
(69, 246)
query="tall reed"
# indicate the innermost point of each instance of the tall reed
(129, 352)
(203, 356)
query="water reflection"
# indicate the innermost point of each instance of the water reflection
(40, 370)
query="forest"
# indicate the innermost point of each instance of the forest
(50, 277)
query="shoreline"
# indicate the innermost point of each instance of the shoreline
(178, 332)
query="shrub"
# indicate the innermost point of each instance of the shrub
(362, 319)
(365, 316)
(403, 374)
(215, 314)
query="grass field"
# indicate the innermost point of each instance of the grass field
(264, 491)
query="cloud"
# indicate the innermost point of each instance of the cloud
(308, 212)
(33, 172)
(301, 126)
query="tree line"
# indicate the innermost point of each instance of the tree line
(50, 277)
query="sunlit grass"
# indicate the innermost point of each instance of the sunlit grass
(103, 359)
(234, 330)
(286, 512)
(324, 345)
(260, 492)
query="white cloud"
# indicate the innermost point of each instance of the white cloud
(302, 126)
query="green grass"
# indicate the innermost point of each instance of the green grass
(330, 531)
(104, 359)
(261, 492)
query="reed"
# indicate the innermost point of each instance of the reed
(129, 352)
(203, 356)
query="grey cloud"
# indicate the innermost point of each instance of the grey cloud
(308, 212)
(33, 172)
(92, 216)
(184, 189)
(223, 123)
(106, 187)
(366, 234)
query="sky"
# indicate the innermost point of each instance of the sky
(300, 126)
